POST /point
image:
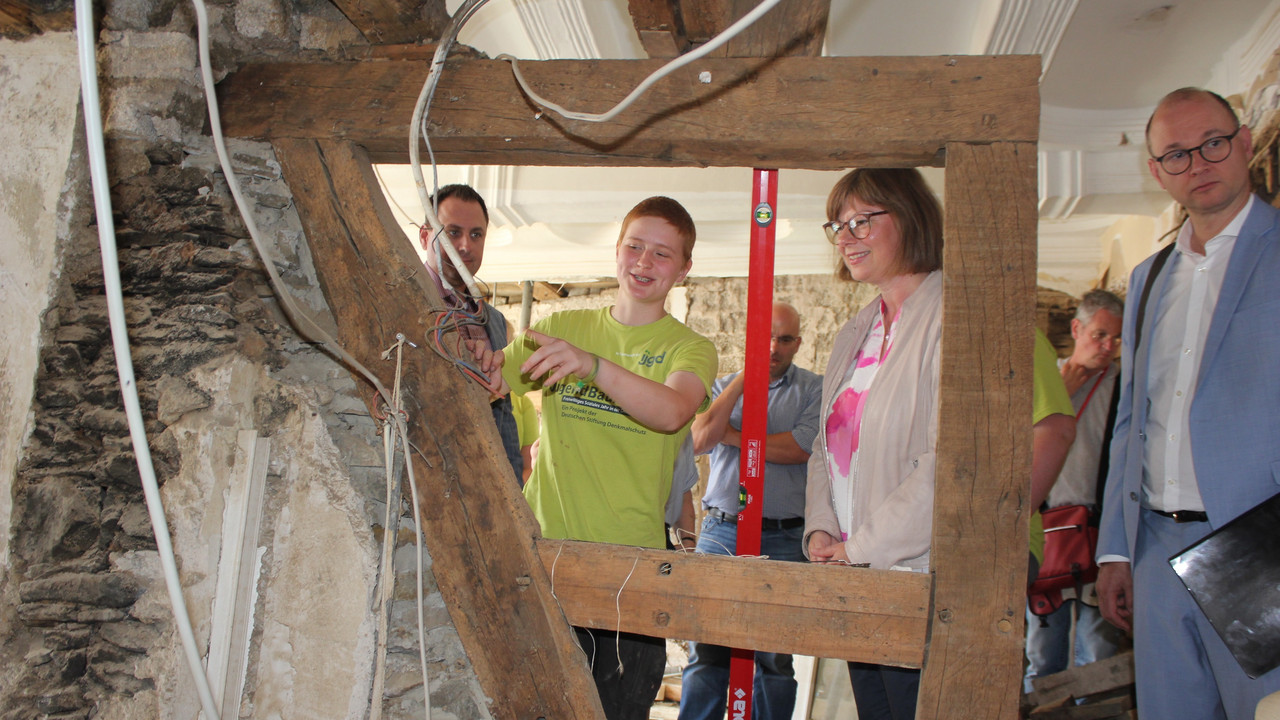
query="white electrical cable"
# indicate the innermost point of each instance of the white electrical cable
(420, 110)
(120, 345)
(115, 308)
(303, 322)
(725, 36)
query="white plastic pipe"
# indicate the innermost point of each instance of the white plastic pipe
(120, 344)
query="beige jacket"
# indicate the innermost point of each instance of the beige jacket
(892, 518)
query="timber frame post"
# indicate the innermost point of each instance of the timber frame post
(977, 116)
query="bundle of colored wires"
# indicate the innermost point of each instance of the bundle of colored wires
(454, 350)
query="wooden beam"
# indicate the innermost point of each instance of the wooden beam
(980, 521)
(477, 524)
(658, 24)
(543, 291)
(1084, 680)
(816, 113)
(794, 27)
(823, 611)
(396, 21)
(23, 18)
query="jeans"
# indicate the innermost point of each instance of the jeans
(884, 692)
(705, 691)
(1049, 643)
(626, 691)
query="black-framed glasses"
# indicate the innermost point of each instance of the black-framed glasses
(859, 226)
(1214, 150)
(784, 339)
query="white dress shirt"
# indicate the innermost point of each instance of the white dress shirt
(1179, 329)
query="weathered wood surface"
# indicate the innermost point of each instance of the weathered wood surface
(22, 18)
(1078, 682)
(824, 611)
(396, 21)
(477, 525)
(659, 26)
(816, 113)
(794, 27)
(974, 661)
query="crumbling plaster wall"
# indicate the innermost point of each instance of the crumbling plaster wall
(38, 106)
(85, 628)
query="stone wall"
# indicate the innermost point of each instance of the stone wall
(85, 629)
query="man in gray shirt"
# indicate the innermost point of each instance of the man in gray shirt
(795, 395)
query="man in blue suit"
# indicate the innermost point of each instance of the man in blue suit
(1197, 434)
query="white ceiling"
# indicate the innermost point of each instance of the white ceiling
(1107, 63)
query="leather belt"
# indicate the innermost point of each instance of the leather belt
(1183, 516)
(766, 523)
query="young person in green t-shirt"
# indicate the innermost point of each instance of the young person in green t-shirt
(620, 387)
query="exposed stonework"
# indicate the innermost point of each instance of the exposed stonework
(85, 625)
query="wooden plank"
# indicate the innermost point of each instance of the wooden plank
(659, 26)
(1112, 709)
(1077, 682)
(477, 525)
(794, 27)
(818, 610)
(974, 658)
(396, 21)
(840, 112)
(543, 291)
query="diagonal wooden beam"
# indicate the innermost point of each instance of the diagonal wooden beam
(477, 525)
(396, 21)
(815, 113)
(834, 612)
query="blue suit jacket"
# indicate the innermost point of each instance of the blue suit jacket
(1235, 414)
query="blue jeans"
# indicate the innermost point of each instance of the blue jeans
(705, 691)
(884, 692)
(1049, 645)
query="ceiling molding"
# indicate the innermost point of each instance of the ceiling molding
(1061, 183)
(558, 29)
(498, 185)
(1093, 128)
(1256, 50)
(1031, 27)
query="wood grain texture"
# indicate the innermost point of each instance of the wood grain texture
(477, 526)
(396, 21)
(659, 26)
(816, 113)
(824, 611)
(794, 27)
(974, 659)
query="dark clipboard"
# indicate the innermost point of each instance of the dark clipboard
(1234, 576)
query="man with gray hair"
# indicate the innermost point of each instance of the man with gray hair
(1090, 376)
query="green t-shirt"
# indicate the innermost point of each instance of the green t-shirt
(600, 475)
(526, 418)
(1048, 397)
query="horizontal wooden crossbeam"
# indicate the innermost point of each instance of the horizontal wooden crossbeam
(816, 113)
(873, 616)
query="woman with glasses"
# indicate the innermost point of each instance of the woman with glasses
(869, 499)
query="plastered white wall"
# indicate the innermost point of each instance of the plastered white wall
(39, 94)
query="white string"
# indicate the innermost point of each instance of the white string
(302, 322)
(725, 36)
(617, 604)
